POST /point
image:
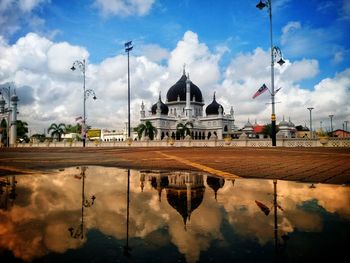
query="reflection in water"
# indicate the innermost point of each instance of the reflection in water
(173, 217)
(7, 192)
(79, 231)
(127, 249)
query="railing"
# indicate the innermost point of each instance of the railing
(290, 142)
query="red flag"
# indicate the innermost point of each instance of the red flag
(260, 91)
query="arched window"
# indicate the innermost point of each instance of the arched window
(209, 135)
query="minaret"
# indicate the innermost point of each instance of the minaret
(13, 131)
(188, 98)
(159, 110)
(142, 112)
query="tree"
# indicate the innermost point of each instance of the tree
(22, 130)
(3, 131)
(267, 130)
(57, 130)
(184, 129)
(146, 128)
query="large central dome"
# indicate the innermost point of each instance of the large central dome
(179, 90)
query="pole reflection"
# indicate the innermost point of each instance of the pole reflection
(78, 232)
(127, 248)
(7, 192)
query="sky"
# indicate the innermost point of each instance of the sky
(225, 46)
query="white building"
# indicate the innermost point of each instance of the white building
(184, 103)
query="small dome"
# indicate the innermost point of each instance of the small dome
(291, 124)
(179, 90)
(283, 123)
(213, 108)
(248, 125)
(163, 108)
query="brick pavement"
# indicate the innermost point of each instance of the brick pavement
(328, 165)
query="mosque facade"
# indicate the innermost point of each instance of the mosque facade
(184, 103)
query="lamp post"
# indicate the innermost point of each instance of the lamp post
(81, 65)
(331, 117)
(128, 47)
(275, 53)
(311, 134)
(346, 126)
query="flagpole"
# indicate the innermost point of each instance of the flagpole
(275, 51)
(273, 115)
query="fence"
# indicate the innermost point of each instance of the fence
(292, 142)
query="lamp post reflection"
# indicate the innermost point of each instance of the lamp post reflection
(7, 192)
(127, 249)
(278, 246)
(78, 232)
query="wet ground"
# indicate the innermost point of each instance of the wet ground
(327, 165)
(104, 214)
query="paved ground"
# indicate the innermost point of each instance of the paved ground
(329, 165)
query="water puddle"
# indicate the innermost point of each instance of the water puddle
(99, 214)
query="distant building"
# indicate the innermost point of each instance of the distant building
(340, 134)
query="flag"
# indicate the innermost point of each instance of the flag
(263, 207)
(78, 118)
(260, 91)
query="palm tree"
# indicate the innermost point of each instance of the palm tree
(57, 130)
(184, 129)
(22, 130)
(147, 128)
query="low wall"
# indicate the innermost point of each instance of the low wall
(331, 142)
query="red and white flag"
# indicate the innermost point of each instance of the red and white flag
(260, 91)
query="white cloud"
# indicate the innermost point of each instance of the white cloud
(155, 53)
(305, 41)
(14, 14)
(124, 7)
(51, 92)
(247, 72)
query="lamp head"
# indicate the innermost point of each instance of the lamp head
(260, 5)
(281, 62)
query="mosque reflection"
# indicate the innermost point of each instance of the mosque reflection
(190, 215)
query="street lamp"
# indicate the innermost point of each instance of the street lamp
(275, 54)
(87, 93)
(346, 126)
(331, 117)
(128, 47)
(311, 134)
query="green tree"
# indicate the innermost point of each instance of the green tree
(184, 129)
(56, 130)
(267, 130)
(146, 128)
(22, 130)
(3, 131)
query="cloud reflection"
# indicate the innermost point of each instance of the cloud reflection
(47, 205)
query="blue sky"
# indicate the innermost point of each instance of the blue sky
(228, 38)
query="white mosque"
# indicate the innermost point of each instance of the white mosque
(184, 103)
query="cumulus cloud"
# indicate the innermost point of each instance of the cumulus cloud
(40, 69)
(124, 7)
(247, 72)
(13, 14)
